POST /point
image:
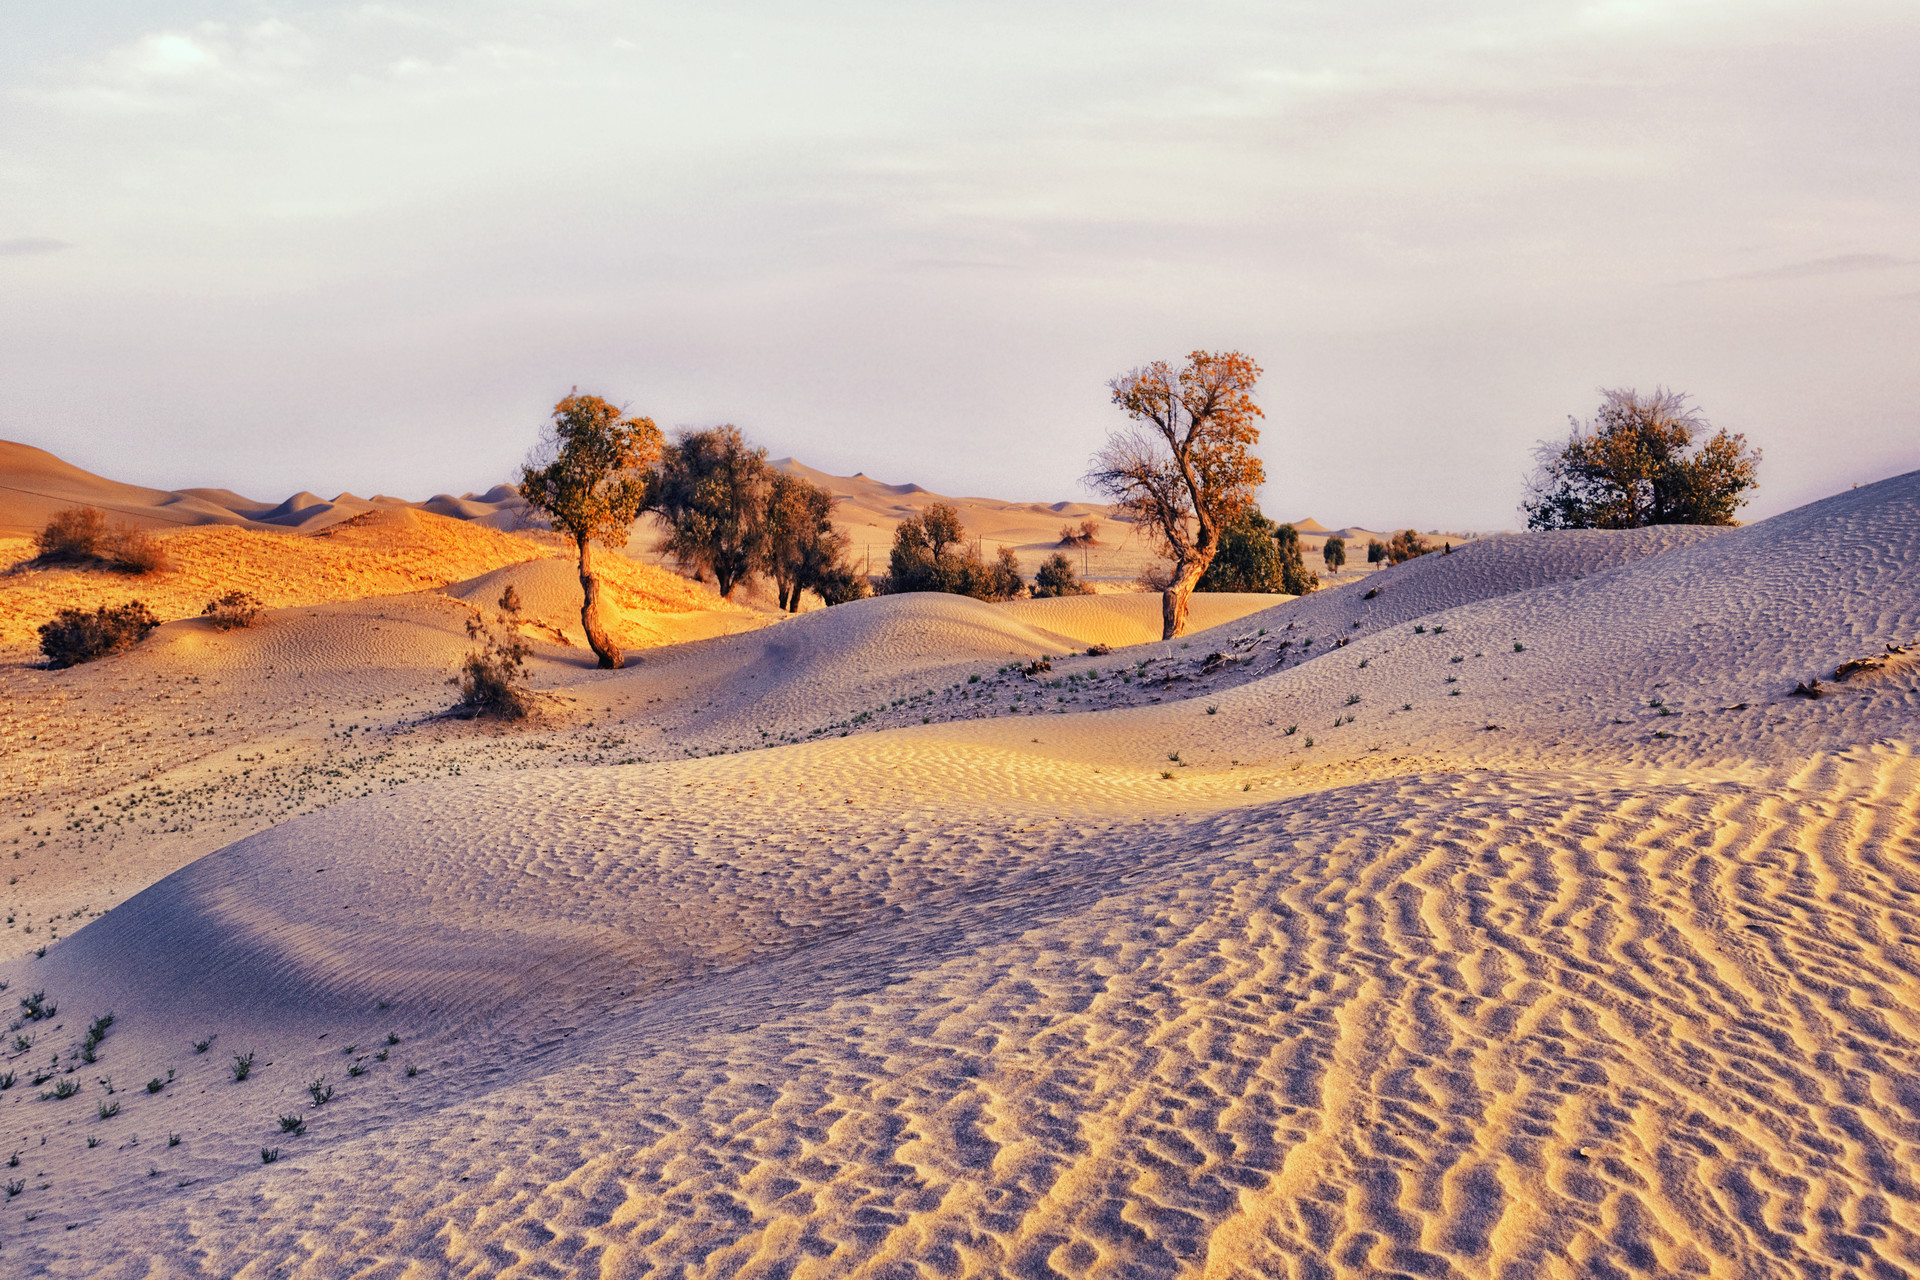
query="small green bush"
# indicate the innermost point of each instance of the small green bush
(1056, 577)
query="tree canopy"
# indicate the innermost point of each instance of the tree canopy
(1185, 469)
(1258, 555)
(588, 475)
(801, 550)
(1636, 464)
(711, 491)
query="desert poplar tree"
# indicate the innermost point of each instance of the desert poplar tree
(711, 492)
(1186, 468)
(589, 476)
(1334, 553)
(1637, 464)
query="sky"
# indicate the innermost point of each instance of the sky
(274, 247)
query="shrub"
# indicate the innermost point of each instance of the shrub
(132, 549)
(1057, 578)
(76, 636)
(321, 1091)
(242, 1066)
(79, 535)
(1084, 534)
(234, 609)
(76, 534)
(295, 1125)
(269, 1154)
(493, 678)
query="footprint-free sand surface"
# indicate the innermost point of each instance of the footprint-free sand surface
(1500, 914)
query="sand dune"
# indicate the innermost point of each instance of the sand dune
(1576, 947)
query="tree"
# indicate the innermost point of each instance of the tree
(1057, 578)
(1636, 464)
(1258, 555)
(1248, 558)
(589, 476)
(1295, 578)
(801, 549)
(1185, 469)
(930, 554)
(711, 490)
(1334, 553)
(1376, 551)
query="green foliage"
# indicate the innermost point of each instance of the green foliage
(75, 636)
(1334, 553)
(1376, 551)
(1057, 578)
(589, 476)
(593, 482)
(1249, 557)
(930, 554)
(711, 490)
(1636, 464)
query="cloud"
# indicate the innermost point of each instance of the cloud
(1841, 264)
(31, 247)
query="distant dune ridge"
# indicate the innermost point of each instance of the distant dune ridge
(1494, 914)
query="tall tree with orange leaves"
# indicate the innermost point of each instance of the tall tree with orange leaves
(1186, 468)
(589, 476)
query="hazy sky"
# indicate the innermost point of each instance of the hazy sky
(366, 247)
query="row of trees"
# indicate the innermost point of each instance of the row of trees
(1184, 472)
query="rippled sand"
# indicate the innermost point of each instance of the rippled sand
(1607, 963)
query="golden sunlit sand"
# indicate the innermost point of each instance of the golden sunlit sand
(1497, 914)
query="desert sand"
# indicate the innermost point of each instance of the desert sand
(1497, 914)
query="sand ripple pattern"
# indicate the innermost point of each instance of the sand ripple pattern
(1473, 1024)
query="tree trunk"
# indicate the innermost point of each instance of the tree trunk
(603, 647)
(1173, 601)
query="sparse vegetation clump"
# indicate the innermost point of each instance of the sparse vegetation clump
(79, 536)
(233, 610)
(1084, 534)
(75, 636)
(493, 677)
(75, 536)
(1057, 578)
